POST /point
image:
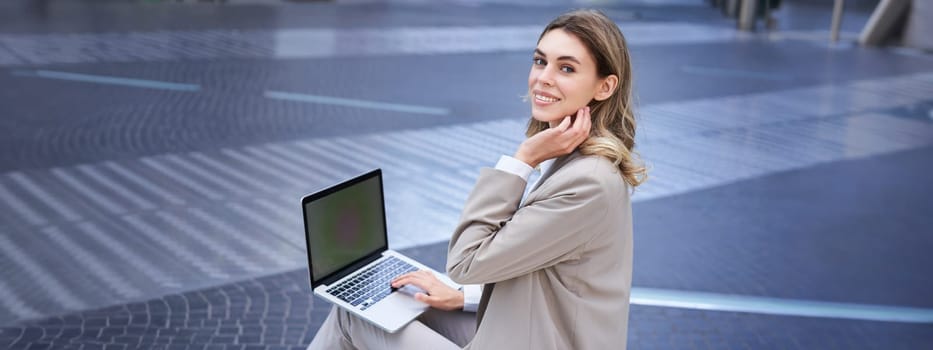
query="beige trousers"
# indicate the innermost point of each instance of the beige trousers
(434, 330)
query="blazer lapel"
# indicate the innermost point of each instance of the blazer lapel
(558, 163)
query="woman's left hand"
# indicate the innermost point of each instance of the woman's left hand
(556, 141)
(439, 295)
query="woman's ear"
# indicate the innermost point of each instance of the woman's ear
(606, 87)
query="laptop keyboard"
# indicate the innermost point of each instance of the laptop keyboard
(371, 285)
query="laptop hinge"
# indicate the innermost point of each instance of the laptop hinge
(349, 269)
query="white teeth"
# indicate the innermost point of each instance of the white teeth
(546, 99)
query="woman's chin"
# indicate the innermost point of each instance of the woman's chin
(547, 118)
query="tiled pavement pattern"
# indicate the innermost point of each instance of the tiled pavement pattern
(273, 312)
(143, 230)
(22, 49)
(276, 312)
(167, 216)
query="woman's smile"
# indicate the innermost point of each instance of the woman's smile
(544, 99)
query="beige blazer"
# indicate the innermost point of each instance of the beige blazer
(557, 270)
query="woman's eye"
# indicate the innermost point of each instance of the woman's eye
(539, 61)
(567, 69)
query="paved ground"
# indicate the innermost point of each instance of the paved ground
(152, 156)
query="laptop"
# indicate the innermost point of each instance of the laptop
(349, 261)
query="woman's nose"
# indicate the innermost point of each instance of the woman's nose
(546, 77)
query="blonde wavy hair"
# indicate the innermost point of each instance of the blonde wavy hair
(613, 133)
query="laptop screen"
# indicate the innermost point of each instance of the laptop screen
(345, 224)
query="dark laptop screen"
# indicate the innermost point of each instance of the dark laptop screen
(345, 224)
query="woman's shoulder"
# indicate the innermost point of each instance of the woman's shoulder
(593, 169)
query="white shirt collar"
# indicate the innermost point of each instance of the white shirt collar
(545, 165)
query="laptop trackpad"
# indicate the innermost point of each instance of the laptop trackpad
(397, 310)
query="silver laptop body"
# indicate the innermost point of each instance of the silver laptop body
(349, 263)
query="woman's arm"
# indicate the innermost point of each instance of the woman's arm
(495, 241)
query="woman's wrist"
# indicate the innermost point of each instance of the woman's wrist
(461, 301)
(525, 158)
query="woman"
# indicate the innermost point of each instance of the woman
(555, 267)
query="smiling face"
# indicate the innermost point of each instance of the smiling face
(563, 77)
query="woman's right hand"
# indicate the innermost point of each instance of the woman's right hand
(437, 294)
(556, 141)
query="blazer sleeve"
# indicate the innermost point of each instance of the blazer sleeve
(496, 241)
